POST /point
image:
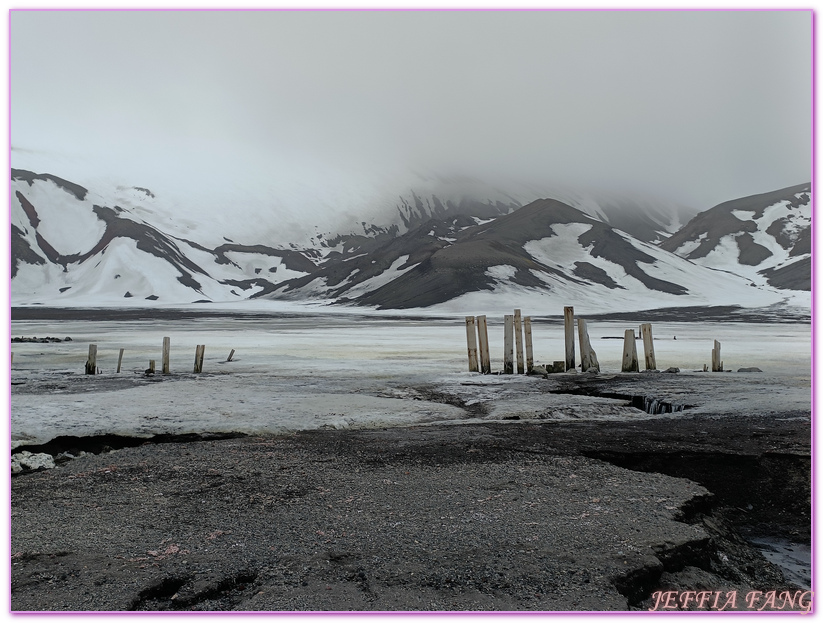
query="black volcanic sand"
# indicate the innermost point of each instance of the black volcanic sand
(727, 313)
(521, 516)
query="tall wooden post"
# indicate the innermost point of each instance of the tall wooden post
(471, 340)
(717, 365)
(120, 359)
(91, 364)
(518, 340)
(483, 340)
(527, 330)
(199, 353)
(588, 358)
(568, 322)
(166, 349)
(630, 363)
(648, 346)
(508, 344)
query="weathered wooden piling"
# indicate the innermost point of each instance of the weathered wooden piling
(648, 346)
(231, 354)
(483, 340)
(508, 344)
(166, 350)
(568, 322)
(91, 364)
(199, 353)
(630, 363)
(471, 341)
(588, 358)
(518, 340)
(151, 366)
(120, 359)
(717, 364)
(527, 331)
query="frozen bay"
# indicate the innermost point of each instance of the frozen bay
(296, 371)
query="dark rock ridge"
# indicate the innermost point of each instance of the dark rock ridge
(447, 248)
(70, 187)
(449, 258)
(709, 227)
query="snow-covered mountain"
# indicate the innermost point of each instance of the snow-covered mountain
(767, 238)
(70, 245)
(470, 246)
(546, 251)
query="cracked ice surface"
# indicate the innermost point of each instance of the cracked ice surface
(315, 371)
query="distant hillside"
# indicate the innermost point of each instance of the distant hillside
(766, 238)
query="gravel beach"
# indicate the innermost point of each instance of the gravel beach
(492, 517)
(358, 467)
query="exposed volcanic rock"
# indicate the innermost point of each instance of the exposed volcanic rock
(751, 253)
(766, 230)
(148, 239)
(590, 272)
(803, 244)
(611, 245)
(21, 251)
(70, 187)
(420, 209)
(795, 276)
(448, 244)
(710, 226)
(31, 212)
(443, 259)
(292, 260)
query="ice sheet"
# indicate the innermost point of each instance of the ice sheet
(308, 371)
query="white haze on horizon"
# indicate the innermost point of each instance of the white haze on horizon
(323, 117)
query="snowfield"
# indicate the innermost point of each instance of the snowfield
(305, 371)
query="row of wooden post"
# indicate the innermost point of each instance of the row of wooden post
(513, 346)
(199, 355)
(515, 328)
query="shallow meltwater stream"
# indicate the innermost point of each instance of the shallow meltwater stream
(794, 559)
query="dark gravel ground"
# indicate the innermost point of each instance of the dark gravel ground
(524, 516)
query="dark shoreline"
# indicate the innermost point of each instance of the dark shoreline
(420, 518)
(729, 313)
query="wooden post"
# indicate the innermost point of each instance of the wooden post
(568, 321)
(166, 349)
(717, 365)
(471, 340)
(151, 366)
(648, 346)
(630, 363)
(199, 353)
(231, 354)
(120, 360)
(527, 329)
(518, 340)
(588, 358)
(483, 339)
(91, 364)
(508, 344)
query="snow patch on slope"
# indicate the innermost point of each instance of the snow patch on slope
(390, 274)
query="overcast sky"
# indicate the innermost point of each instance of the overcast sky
(700, 106)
